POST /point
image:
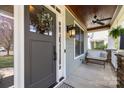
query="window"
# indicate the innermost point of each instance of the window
(41, 21)
(6, 46)
(56, 8)
(121, 39)
(121, 42)
(79, 41)
(82, 41)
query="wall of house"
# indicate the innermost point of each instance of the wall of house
(71, 62)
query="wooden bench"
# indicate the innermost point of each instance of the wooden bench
(97, 57)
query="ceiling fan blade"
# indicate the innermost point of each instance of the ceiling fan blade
(104, 19)
(101, 23)
(93, 21)
(98, 22)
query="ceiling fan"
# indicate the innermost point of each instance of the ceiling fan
(100, 21)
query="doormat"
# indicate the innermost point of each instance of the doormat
(65, 85)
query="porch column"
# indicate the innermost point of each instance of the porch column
(19, 46)
(111, 42)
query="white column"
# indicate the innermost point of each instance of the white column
(19, 46)
(111, 42)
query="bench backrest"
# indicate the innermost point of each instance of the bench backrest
(97, 53)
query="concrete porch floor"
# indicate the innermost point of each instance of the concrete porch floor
(92, 76)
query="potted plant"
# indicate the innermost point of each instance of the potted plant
(116, 32)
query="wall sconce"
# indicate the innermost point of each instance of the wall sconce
(71, 31)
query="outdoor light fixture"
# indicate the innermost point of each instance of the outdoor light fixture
(71, 31)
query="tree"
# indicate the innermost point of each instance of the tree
(6, 33)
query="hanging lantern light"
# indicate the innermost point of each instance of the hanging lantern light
(71, 31)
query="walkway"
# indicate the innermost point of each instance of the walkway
(7, 80)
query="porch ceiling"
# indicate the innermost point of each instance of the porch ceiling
(86, 13)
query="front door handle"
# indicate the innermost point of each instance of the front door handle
(54, 53)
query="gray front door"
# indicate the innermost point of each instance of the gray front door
(40, 47)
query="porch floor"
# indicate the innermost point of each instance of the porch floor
(93, 76)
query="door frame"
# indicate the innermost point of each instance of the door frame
(63, 40)
(19, 44)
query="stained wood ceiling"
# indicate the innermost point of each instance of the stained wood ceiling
(86, 13)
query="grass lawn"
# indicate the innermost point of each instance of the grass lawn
(6, 61)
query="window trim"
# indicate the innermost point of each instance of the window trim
(76, 57)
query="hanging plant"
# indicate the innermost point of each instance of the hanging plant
(116, 32)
